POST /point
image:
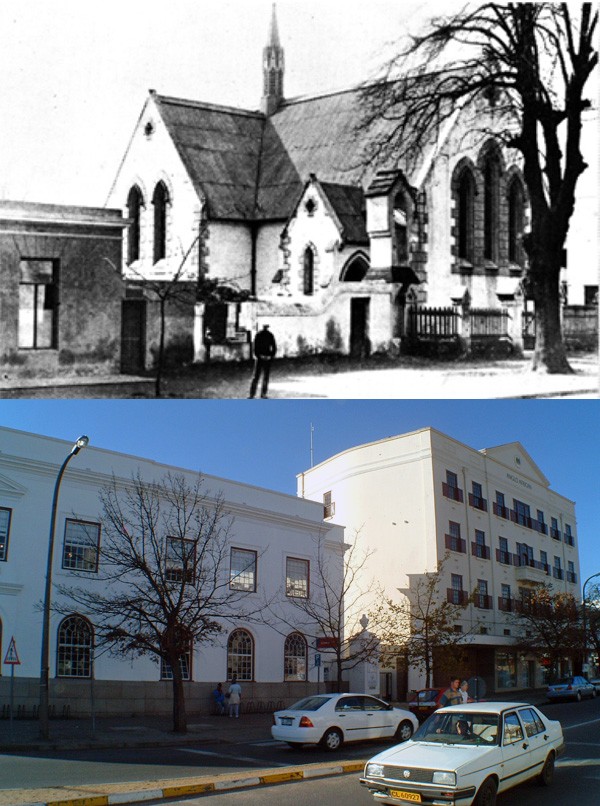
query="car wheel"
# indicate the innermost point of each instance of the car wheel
(295, 745)
(578, 696)
(593, 693)
(332, 739)
(546, 776)
(404, 731)
(487, 793)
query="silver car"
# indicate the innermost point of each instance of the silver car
(571, 688)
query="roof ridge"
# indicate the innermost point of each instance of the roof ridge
(170, 99)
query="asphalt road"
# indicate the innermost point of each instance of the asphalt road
(577, 779)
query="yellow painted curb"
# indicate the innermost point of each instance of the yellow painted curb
(101, 800)
(276, 777)
(192, 789)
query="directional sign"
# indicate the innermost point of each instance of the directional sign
(11, 654)
(317, 660)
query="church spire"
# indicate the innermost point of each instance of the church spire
(273, 67)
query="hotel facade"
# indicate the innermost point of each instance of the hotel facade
(418, 498)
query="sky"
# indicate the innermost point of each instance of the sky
(268, 443)
(75, 74)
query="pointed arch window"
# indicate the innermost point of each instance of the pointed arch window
(135, 202)
(75, 646)
(309, 271)
(491, 185)
(516, 220)
(240, 655)
(355, 269)
(160, 200)
(294, 657)
(466, 217)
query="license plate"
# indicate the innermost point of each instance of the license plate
(286, 720)
(413, 797)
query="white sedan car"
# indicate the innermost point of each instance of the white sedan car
(466, 754)
(332, 719)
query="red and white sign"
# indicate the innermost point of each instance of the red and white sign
(12, 658)
(327, 643)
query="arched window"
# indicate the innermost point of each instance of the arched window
(294, 657)
(355, 269)
(135, 202)
(466, 218)
(240, 655)
(160, 200)
(400, 215)
(516, 220)
(309, 271)
(491, 199)
(75, 645)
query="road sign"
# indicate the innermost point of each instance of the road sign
(11, 654)
(317, 660)
(327, 643)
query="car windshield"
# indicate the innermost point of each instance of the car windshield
(308, 704)
(459, 728)
(566, 681)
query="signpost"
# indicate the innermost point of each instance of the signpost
(12, 660)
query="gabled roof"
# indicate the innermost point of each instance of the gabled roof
(347, 201)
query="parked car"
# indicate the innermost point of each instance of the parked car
(467, 754)
(571, 688)
(332, 719)
(425, 702)
(595, 681)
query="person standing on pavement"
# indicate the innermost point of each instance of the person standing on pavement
(453, 694)
(464, 691)
(265, 348)
(235, 697)
(219, 698)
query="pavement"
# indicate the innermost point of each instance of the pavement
(22, 736)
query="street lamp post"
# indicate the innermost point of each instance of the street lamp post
(583, 605)
(44, 670)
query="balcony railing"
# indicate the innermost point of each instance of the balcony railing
(455, 493)
(555, 534)
(539, 526)
(506, 558)
(501, 512)
(558, 573)
(456, 544)
(477, 502)
(457, 597)
(483, 601)
(481, 551)
(507, 605)
(569, 540)
(571, 576)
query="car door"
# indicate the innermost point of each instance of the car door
(381, 720)
(351, 718)
(538, 738)
(515, 752)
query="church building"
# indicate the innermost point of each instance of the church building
(281, 208)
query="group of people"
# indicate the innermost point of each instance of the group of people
(229, 700)
(456, 694)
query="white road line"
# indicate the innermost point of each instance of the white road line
(234, 758)
(581, 724)
(578, 762)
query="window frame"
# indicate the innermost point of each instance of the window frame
(85, 653)
(76, 568)
(238, 670)
(242, 588)
(51, 305)
(4, 547)
(185, 665)
(289, 559)
(160, 202)
(135, 204)
(289, 657)
(176, 573)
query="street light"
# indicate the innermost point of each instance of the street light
(593, 576)
(82, 442)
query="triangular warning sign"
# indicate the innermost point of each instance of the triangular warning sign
(11, 654)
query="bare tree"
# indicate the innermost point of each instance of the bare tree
(334, 605)
(548, 624)
(532, 61)
(592, 622)
(420, 626)
(163, 580)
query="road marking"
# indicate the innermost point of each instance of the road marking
(233, 758)
(581, 724)
(270, 743)
(591, 744)
(578, 762)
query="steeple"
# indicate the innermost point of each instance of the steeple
(273, 67)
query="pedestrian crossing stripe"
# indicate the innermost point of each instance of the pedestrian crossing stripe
(11, 654)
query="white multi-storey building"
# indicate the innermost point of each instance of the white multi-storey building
(418, 497)
(272, 540)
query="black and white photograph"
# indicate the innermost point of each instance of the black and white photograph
(403, 196)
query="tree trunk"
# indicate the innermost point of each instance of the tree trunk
(550, 355)
(179, 715)
(161, 350)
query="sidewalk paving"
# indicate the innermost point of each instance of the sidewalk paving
(116, 732)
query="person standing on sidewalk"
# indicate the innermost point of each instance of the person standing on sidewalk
(235, 697)
(452, 695)
(265, 348)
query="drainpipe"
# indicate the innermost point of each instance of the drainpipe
(254, 238)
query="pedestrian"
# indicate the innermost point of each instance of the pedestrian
(219, 698)
(464, 690)
(265, 348)
(235, 697)
(453, 694)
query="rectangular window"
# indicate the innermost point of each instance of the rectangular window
(544, 559)
(557, 571)
(5, 515)
(180, 559)
(568, 535)
(505, 602)
(80, 549)
(456, 594)
(505, 591)
(478, 548)
(521, 513)
(242, 574)
(500, 507)
(328, 506)
(502, 554)
(450, 488)
(481, 596)
(476, 498)
(453, 539)
(554, 530)
(571, 575)
(38, 304)
(166, 670)
(296, 577)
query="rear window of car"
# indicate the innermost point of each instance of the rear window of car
(308, 704)
(532, 722)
